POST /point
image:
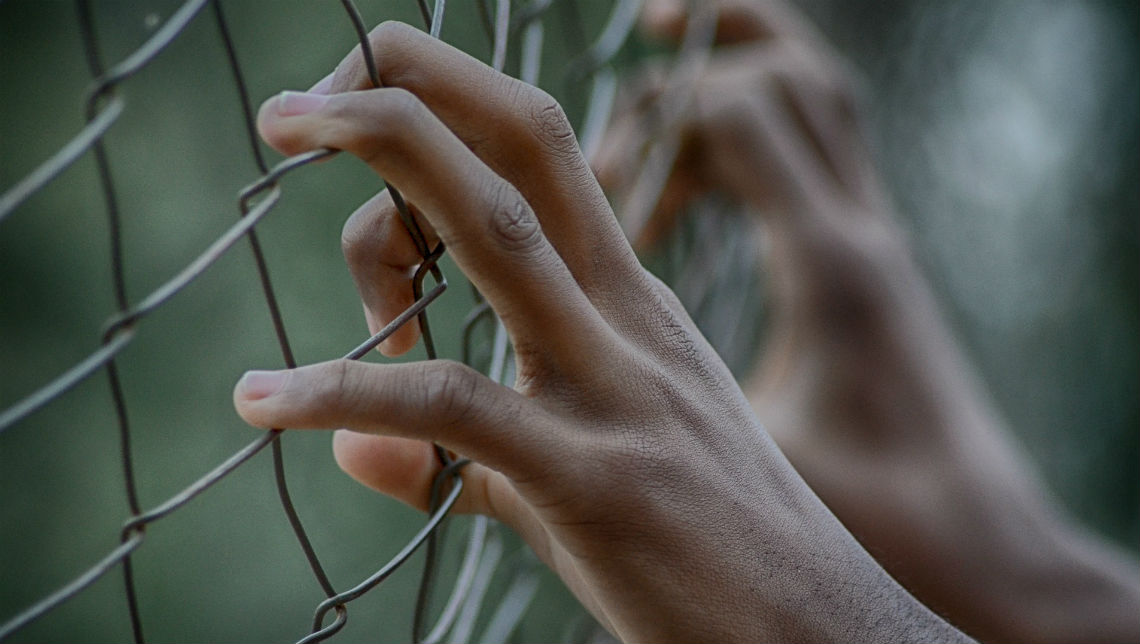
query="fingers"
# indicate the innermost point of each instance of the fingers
(489, 228)
(402, 468)
(405, 470)
(738, 21)
(438, 401)
(518, 131)
(382, 258)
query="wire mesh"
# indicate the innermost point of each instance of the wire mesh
(103, 109)
(514, 31)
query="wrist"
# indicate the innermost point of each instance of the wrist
(784, 570)
(1077, 587)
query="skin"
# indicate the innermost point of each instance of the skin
(625, 455)
(861, 384)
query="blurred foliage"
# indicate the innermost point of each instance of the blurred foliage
(1008, 130)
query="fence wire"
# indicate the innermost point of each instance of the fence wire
(520, 29)
(103, 109)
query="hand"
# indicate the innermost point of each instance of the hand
(625, 455)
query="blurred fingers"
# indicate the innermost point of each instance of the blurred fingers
(621, 160)
(631, 129)
(738, 21)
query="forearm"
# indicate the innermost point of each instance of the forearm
(1072, 587)
(984, 544)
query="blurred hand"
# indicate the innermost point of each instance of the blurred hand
(771, 121)
(625, 455)
(860, 383)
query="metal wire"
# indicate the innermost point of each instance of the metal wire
(103, 109)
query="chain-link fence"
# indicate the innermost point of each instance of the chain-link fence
(55, 412)
(518, 35)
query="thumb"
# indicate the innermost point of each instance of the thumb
(440, 401)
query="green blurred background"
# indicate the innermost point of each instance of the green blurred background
(1008, 131)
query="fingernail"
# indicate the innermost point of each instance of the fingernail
(323, 86)
(298, 103)
(255, 385)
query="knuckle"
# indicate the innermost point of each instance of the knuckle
(334, 392)
(549, 124)
(390, 32)
(450, 392)
(661, 294)
(390, 40)
(390, 126)
(400, 107)
(512, 224)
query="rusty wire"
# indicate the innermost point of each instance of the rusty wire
(103, 109)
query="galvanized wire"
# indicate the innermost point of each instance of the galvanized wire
(103, 110)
